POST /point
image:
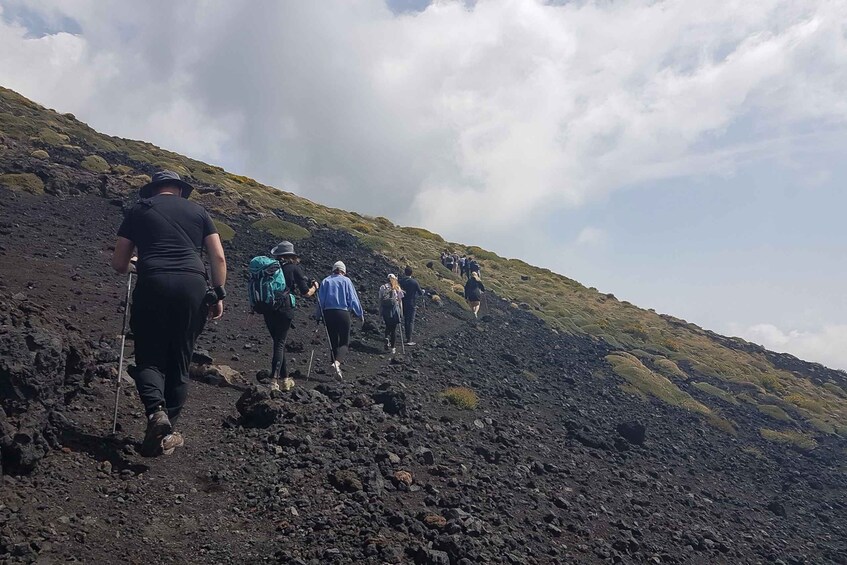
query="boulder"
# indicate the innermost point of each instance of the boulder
(633, 432)
(258, 409)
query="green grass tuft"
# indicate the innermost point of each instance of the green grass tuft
(462, 397)
(95, 164)
(716, 392)
(774, 412)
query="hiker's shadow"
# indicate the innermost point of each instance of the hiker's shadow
(109, 448)
(362, 347)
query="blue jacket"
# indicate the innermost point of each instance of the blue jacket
(337, 293)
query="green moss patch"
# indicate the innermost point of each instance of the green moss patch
(95, 164)
(282, 229)
(25, 182)
(224, 231)
(790, 437)
(774, 412)
(646, 381)
(716, 392)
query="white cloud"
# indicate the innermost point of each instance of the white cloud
(591, 236)
(512, 109)
(827, 345)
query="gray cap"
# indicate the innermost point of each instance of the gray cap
(339, 266)
(283, 248)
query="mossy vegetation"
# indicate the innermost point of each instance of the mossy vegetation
(715, 391)
(789, 437)
(25, 182)
(95, 164)
(224, 230)
(282, 229)
(774, 412)
(650, 383)
(462, 397)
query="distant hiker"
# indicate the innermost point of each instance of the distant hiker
(463, 263)
(448, 261)
(471, 266)
(456, 263)
(411, 290)
(279, 277)
(172, 297)
(336, 298)
(473, 293)
(390, 300)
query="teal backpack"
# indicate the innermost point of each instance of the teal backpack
(266, 289)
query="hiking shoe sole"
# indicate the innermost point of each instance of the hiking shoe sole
(158, 426)
(287, 384)
(274, 385)
(171, 441)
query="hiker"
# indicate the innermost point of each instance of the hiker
(456, 263)
(448, 261)
(473, 292)
(411, 290)
(336, 298)
(390, 300)
(278, 320)
(172, 299)
(463, 263)
(471, 266)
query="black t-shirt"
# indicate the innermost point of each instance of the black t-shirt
(162, 247)
(411, 288)
(295, 278)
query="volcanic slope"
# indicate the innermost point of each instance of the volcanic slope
(550, 467)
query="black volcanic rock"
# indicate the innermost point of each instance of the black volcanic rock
(633, 432)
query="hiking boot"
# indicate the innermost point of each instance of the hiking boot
(171, 442)
(387, 345)
(287, 384)
(394, 351)
(337, 366)
(274, 384)
(410, 343)
(158, 426)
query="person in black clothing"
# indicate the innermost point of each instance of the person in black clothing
(171, 300)
(473, 293)
(279, 321)
(411, 291)
(471, 266)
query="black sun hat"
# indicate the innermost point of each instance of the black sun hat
(165, 178)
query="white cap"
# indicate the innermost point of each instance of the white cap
(339, 266)
(392, 276)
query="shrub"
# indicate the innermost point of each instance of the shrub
(26, 182)
(282, 229)
(224, 230)
(480, 253)
(774, 412)
(790, 437)
(806, 403)
(770, 382)
(95, 164)
(461, 396)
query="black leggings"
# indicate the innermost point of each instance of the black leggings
(409, 319)
(168, 314)
(391, 323)
(278, 324)
(338, 324)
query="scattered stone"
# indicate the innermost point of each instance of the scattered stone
(345, 481)
(633, 432)
(403, 477)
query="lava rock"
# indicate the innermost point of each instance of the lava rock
(633, 432)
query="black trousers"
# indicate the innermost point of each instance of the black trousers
(338, 324)
(409, 319)
(167, 315)
(278, 324)
(392, 320)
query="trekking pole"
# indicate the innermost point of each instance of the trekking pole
(402, 325)
(121, 359)
(311, 358)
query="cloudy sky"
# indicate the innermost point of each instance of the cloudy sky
(688, 156)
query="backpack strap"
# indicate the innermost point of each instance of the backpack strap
(179, 231)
